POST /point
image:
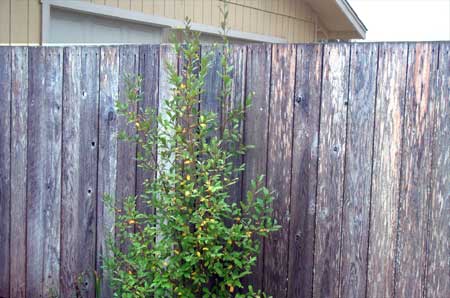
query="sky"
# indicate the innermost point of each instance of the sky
(404, 20)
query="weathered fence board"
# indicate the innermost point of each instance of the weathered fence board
(5, 164)
(438, 266)
(19, 137)
(79, 170)
(333, 120)
(304, 170)
(149, 72)
(391, 83)
(353, 139)
(255, 130)
(44, 171)
(107, 156)
(416, 170)
(281, 111)
(358, 170)
(126, 151)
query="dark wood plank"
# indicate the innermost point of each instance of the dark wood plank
(389, 113)
(107, 160)
(149, 71)
(416, 171)
(5, 166)
(331, 169)
(304, 170)
(44, 171)
(52, 166)
(79, 170)
(279, 166)
(358, 170)
(257, 79)
(237, 59)
(19, 111)
(35, 177)
(209, 100)
(438, 267)
(126, 151)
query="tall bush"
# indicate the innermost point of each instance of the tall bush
(196, 243)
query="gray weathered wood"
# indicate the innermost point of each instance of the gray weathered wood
(331, 169)
(416, 171)
(237, 58)
(5, 164)
(19, 84)
(389, 113)
(279, 166)
(149, 71)
(304, 170)
(209, 100)
(438, 265)
(126, 151)
(107, 157)
(44, 171)
(257, 80)
(79, 170)
(358, 170)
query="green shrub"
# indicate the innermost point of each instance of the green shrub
(196, 243)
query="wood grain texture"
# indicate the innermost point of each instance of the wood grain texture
(279, 166)
(391, 83)
(79, 170)
(358, 170)
(44, 171)
(304, 170)
(126, 151)
(149, 71)
(107, 156)
(331, 170)
(5, 167)
(257, 78)
(237, 58)
(438, 265)
(209, 100)
(19, 109)
(416, 171)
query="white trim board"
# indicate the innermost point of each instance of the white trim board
(142, 18)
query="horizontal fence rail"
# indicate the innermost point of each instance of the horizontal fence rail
(353, 139)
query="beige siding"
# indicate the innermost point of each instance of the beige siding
(293, 20)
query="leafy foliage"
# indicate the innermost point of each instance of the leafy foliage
(196, 242)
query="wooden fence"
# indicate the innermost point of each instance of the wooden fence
(353, 138)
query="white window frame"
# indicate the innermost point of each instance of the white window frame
(141, 18)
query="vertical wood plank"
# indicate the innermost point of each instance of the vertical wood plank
(389, 112)
(126, 151)
(304, 170)
(79, 186)
(331, 169)
(44, 171)
(107, 163)
(209, 100)
(149, 71)
(19, 113)
(438, 267)
(52, 166)
(416, 171)
(358, 170)
(5, 167)
(237, 58)
(279, 166)
(257, 80)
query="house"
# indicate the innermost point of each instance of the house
(35, 22)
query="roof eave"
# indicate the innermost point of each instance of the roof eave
(359, 26)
